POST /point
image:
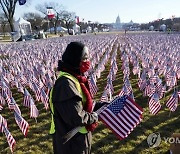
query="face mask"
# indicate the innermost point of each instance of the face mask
(85, 65)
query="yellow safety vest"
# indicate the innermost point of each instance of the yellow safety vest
(69, 76)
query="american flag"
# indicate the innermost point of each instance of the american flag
(22, 79)
(11, 103)
(154, 104)
(142, 84)
(136, 70)
(154, 79)
(173, 101)
(20, 88)
(3, 122)
(10, 139)
(109, 86)
(23, 125)
(44, 99)
(178, 73)
(34, 111)
(104, 97)
(2, 100)
(6, 91)
(149, 90)
(37, 91)
(34, 80)
(7, 98)
(158, 84)
(179, 94)
(142, 80)
(27, 98)
(92, 85)
(161, 91)
(151, 72)
(122, 116)
(125, 91)
(1, 107)
(5, 79)
(171, 80)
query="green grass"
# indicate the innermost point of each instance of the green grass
(5, 38)
(104, 141)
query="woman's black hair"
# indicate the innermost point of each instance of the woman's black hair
(72, 56)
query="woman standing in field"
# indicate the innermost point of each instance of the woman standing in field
(71, 102)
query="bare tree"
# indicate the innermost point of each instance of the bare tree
(3, 22)
(35, 19)
(8, 7)
(59, 9)
(69, 19)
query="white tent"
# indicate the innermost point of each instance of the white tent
(22, 26)
(76, 29)
(151, 28)
(89, 29)
(163, 27)
(95, 29)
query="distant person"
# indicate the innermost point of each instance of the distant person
(125, 31)
(71, 102)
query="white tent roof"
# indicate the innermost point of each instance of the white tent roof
(22, 26)
(89, 28)
(22, 21)
(76, 26)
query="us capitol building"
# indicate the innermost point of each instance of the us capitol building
(120, 26)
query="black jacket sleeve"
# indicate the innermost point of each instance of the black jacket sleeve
(68, 104)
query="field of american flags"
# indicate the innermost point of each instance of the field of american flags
(118, 62)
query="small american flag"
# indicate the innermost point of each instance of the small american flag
(3, 123)
(136, 70)
(11, 103)
(2, 100)
(23, 125)
(142, 84)
(92, 85)
(149, 90)
(27, 98)
(125, 91)
(104, 97)
(37, 91)
(122, 116)
(1, 107)
(7, 91)
(154, 104)
(34, 111)
(11, 141)
(154, 79)
(44, 99)
(179, 94)
(173, 101)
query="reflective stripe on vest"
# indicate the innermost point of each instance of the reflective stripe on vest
(69, 76)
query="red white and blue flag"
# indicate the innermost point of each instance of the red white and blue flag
(154, 104)
(22, 123)
(10, 138)
(122, 116)
(172, 102)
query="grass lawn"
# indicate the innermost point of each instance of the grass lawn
(104, 142)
